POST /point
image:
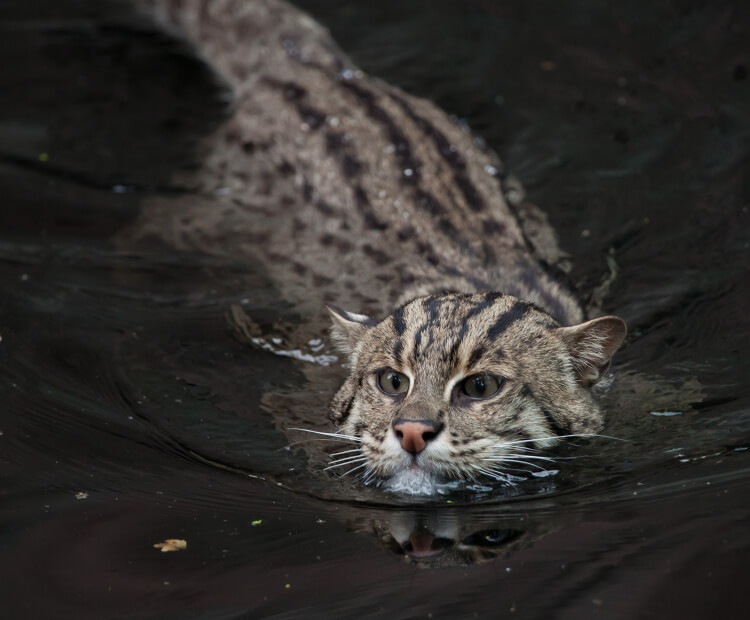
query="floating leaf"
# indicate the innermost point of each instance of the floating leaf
(172, 544)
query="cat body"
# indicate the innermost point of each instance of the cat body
(354, 193)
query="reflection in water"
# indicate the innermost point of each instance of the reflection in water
(439, 539)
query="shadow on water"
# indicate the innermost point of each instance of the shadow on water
(131, 414)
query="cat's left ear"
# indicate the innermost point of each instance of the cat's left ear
(592, 345)
(348, 328)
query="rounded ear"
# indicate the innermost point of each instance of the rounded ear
(592, 345)
(348, 328)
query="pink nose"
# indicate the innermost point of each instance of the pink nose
(420, 545)
(414, 435)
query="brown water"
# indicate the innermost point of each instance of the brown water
(121, 384)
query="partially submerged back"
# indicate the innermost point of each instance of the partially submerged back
(350, 191)
(347, 189)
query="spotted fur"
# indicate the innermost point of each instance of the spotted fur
(341, 188)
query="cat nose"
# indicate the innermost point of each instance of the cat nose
(415, 434)
(422, 544)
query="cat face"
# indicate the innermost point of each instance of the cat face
(465, 386)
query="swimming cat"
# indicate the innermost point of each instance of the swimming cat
(465, 355)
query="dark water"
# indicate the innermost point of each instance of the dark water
(122, 385)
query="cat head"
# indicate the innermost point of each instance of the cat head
(462, 386)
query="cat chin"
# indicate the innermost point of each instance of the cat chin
(412, 481)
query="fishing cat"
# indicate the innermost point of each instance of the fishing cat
(351, 192)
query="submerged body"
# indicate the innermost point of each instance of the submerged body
(352, 192)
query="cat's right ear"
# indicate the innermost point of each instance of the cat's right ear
(348, 328)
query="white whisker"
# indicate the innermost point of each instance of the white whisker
(351, 457)
(517, 461)
(504, 469)
(334, 435)
(346, 462)
(553, 437)
(355, 469)
(345, 452)
(492, 474)
(531, 457)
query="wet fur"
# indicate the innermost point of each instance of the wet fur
(347, 190)
(545, 371)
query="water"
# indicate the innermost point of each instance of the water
(131, 415)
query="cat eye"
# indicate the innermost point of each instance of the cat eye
(392, 382)
(480, 386)
(491, 538)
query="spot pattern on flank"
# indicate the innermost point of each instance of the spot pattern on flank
(380, 257)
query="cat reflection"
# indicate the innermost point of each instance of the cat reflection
(448, 538)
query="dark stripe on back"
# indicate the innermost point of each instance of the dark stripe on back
(295, 94)
(450, 155)
(449, 152)
(532, 276)
(403, 149)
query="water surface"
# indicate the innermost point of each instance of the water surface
(130, 414)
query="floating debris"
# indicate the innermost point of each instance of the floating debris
(171, 544)
(82, 495)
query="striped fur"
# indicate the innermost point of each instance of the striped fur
(343, 189)
(545, 371)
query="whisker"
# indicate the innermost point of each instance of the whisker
(507, 443)
(334, 435)
(504, 469)
(520, 448)
(492, 474)
(365, 475)
(345, 452)
(342, 463)
(517, 441)
(351, 457)
(303, 441)
(532, 457)
(355, 469)
(524, 463)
